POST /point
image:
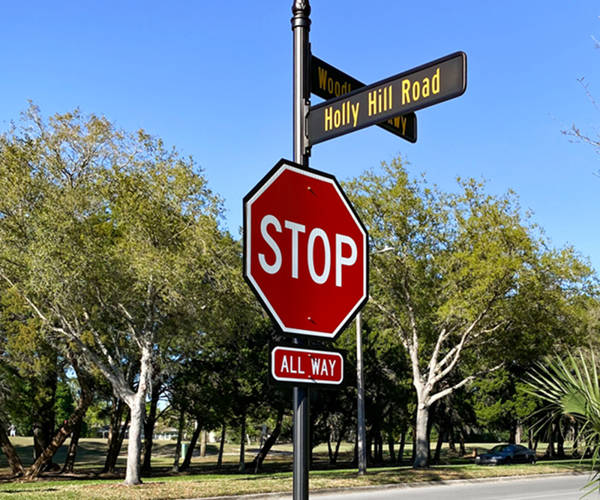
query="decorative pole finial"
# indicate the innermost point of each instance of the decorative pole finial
(301, 11)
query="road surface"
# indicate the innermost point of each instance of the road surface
(538, 488)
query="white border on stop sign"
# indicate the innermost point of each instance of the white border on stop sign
(281, 167)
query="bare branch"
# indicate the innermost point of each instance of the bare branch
(110, 372)
(434, 356)
(31, 304)
(452, 357)
(463, 382)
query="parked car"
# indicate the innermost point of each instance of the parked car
(506, 454)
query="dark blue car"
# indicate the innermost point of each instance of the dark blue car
(506, 454)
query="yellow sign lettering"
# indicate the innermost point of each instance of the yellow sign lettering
(355, 112)
(322, 78)
(380, 100)
(414, 91)
(328, 118)
(435, 82)
(405, 91)
(346, 114)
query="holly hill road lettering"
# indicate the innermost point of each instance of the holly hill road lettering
(386, 100)
(329, 82)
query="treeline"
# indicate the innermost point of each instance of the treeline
(120, 288)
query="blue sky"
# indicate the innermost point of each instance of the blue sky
(214, 79)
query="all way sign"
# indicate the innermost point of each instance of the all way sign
(401, 94)
(292, 364)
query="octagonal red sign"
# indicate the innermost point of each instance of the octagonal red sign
(305, 251)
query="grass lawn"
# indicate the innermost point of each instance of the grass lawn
(205, 481)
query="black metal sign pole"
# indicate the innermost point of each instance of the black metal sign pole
(300, 29)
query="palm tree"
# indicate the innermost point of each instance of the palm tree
(570, 386)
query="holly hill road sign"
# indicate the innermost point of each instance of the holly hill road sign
(328, 82)
(406, 92)
(305, 251)
(292, 364)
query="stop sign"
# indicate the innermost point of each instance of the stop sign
(305, 251)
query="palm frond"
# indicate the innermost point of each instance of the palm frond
(569, 385)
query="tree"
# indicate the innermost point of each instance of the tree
(449, 275)
(105, 234)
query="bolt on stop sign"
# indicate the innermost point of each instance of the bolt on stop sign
(305, 251)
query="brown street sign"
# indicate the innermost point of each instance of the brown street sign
(327, 81)
(418, 88)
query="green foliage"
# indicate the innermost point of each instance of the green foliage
(570, 385)
(64, 402)
(453, 261)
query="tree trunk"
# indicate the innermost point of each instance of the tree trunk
(512, 433)
(242, 466)
(115, 434)
(43, 411)
(338, 443)
(329, 449)
(560, 441)
(14, 462)
(137, 408)
(413, 453)
(550, 452)
(391, 443)
(203, 438)
(519, 433)
(463, 450)
(438, 446)
(221, 445)
(451, 443)
(400, 456)
(190, 451)
(117, 444)
(179, 439)
(60, 437)
(421, 442)
(149, 425)
(379, 447)
(72, 451)
(269, 442)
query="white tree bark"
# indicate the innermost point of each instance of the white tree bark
(422, 437)
(425, 382)
(101, 357)
(137, 406)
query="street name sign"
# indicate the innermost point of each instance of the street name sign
(305, 251)
(310, 366)
(327, 81)
(406, 92)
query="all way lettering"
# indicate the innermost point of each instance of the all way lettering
(291, 364)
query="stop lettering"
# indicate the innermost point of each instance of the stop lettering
(305, 251)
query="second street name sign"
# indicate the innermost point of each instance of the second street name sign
(406, 92)
(328, 82)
